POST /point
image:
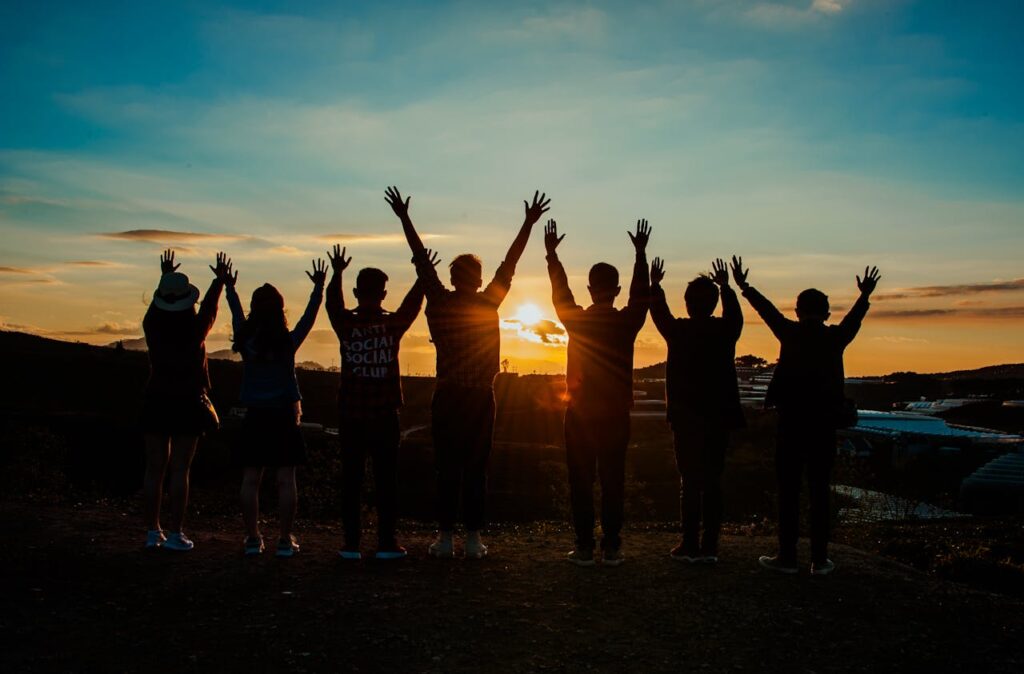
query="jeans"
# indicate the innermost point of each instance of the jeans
(700, 456)
(805, 444)
(379, 438)
(463, 426)
(595, 446)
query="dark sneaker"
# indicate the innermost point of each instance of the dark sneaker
(687, 556)
(287, 547)
(709, 559)
(350, 552)
(394, 551)
(253, 546)
(581, 557)
(777, 565)
(822, 568)
(155, 539)
(177, 540)
(613, 558)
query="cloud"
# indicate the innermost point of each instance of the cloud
(544, 331)
(92, 263)
(895, 339)
(828, 6)
(129, 328)
(163, 236)
(948, 290)
(1009, 312)
(383, 239)
(15, 270)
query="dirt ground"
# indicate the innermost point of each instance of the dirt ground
(79, 594)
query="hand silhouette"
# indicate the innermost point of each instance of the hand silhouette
(167, 262)
(394, 199)
(337, 258)
(319, 273)
(538, 208)
(738, 273)
(643, 234)
(223, 270)
(657, 270)
(431, 256)
(870, 280)
(719, 273)
(551, 238)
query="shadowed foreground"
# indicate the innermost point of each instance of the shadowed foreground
(85, 598)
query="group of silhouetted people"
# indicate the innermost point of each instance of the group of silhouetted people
(702, 395)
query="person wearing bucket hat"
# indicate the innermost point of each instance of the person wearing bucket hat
(271, 436)
(176, 409)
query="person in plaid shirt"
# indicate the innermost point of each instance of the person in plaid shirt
(369, 397)
(464, 328)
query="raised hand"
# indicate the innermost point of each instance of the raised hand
(870, 280)
(431, 256)
(394, 199)
(551, 238)
(719, 273)
(167, 262)
(538, 208)
(643, 234)
(319, 273)
(657, 270)
(738, 273)
(223, 270)
(337, 258)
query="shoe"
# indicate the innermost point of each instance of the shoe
(155, 539)
(823, 568)
(287, 547)
(613, 558)
(581, 557)
(443, 547)
(777, 565)
(709, 559)
(681, 554)
(475, 548)
(253, 546)
(178, 541)
(350, 552)
(393, 551)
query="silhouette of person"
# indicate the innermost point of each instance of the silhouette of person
(464, 327)
(369, 398)
(176, 408)
(599, 384)
(271, 436)
(702, 397)
(807, 391)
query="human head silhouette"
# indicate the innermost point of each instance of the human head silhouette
(467, 273)
(370, 287)
(604, 283)
(701, 297)
(266, 327)
(812, 306)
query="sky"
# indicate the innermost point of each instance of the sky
(811, 137)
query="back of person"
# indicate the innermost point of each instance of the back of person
(370, 380)
(177, 352)
(701, 369)
(465, 330)
(599, 371)
(809, 375)
(268, 378)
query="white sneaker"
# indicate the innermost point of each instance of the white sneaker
(475, 548)
(155, 539)
(823, 569)
(177, 540)
(443, 547)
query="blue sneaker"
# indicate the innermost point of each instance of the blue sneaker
(178, 541)
(253, 546)
(155, 539)
(287, 547)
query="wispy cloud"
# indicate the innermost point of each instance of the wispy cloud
(958, 289)
(15, 270)
(382, 239)
(1009, 312)
(163, 236)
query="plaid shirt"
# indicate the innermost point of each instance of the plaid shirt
(371, 385)
(464, 328)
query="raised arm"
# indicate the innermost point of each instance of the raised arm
(499, 286)
(850, 325)
(732, 314)
(335, 302)
(772, 317)
(426, 273)
(409, 309)
(561, 296)
(401, 209)
(305, 324)
(639, 287)
(207, 313)
(662, 315)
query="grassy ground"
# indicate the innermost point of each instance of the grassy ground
(78, 594)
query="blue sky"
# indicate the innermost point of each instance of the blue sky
(812, 137)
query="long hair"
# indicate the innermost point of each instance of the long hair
(264, 335)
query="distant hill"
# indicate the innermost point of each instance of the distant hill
(1009, 371)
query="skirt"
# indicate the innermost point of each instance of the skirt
(270, 437)
(172, 415)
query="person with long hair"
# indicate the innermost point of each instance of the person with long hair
(271, 437)
(176, 409)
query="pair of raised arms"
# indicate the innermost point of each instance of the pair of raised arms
(225, 274)
(720, 274)
(639, 238)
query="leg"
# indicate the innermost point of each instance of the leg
(287, 499)
(715, 443)
(183, 450)
(157, 457)
(819, 478)
(250, 496)
(353, 469)
(385, 478)
(611, 465)
(581, 463)
(690, 484)
(478, 452)
(447, 459)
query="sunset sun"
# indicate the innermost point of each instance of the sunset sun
(528, 314)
